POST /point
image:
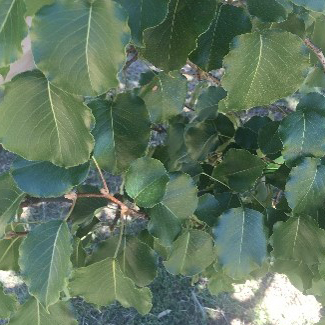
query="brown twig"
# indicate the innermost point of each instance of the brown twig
(318, 52)
(203, 74)
(101, 175)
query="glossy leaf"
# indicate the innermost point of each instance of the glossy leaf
(47, 126)
(10, 198)
(73, 49)
(146, 181)
(305, 188)
(122, 131)
(228, 22)
(191, 253)
(143, 14)
(8, 304)
(315, 5)
(32, 312)
(43, 179)
(9, 253)
(12, 13)
(273, 68)
(169, 43)
(103, 282)
(241, 241)
(47, 248)
(299, 239)
(239, 170)
(303, 131)
(165, 96)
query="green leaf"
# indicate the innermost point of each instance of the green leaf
(43, 179)
(45, 260)
(32, 312)
(213, 44)
(273, 68)
(269, 10)
(303, 131)
(305, 188)
(299, 239)
(179, 203)
(33, 6)
(169, 43)
(8, 304)
(136, 259)
(51, 126)
(4, 71)
(165, 96)
(9, 253)
(122, 131)
(145, 181)
(239, 170)
(12, 13)
(315, 5)
(317, 37)
(269, 139)
(72, 47)
(10, 198)
(143, 14)
(241, 241)
(103, 282)
(191, 253)
(218, 281)
(78, 257)
(293, 24)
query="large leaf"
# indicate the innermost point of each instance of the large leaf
(8, 304)
(80, 45)
(239, 170)
(122, 131)
(178, 203)
(45, 260)
(272, 68)
(299, 239)
(305, 188)
(32, 312)
(143, 14)
(303, 131)
(213, 44)
(165, 96)
(146, 181)
(169, 43)
(103, 282)
(13, 29)
(10, 199)
(41, 122)
(315, 5)
(9, 253)
(191, 253)
(34, 5)
(241, 241)
(136, 259)
(43, 179)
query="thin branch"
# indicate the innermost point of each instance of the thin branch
(203, 74)
(318, 52)
(101, 175)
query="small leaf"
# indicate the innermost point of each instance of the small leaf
(32, 312)
(191, 253)
(228, 22)
(165, 96)
(43, 179)
(122, 131)
(315, 5)
(9, 253)
(8, 304)
(71, 45)
(12, 13)
(10, 198)
(103, 282)
(167, 45)
(143, 14)
(241, 241)
(269, 139)
(239, 170)
(299, 239)
(59, 134)
(273, 69)
(146, 181)
(303, 131)
(305, 188)
(45, 260)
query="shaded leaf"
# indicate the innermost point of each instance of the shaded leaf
(268, 138)
(80, 28)
(34, 5)
(78, 257)
(47, 248)
(8, 304)
(9, 253)
(103, 282)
